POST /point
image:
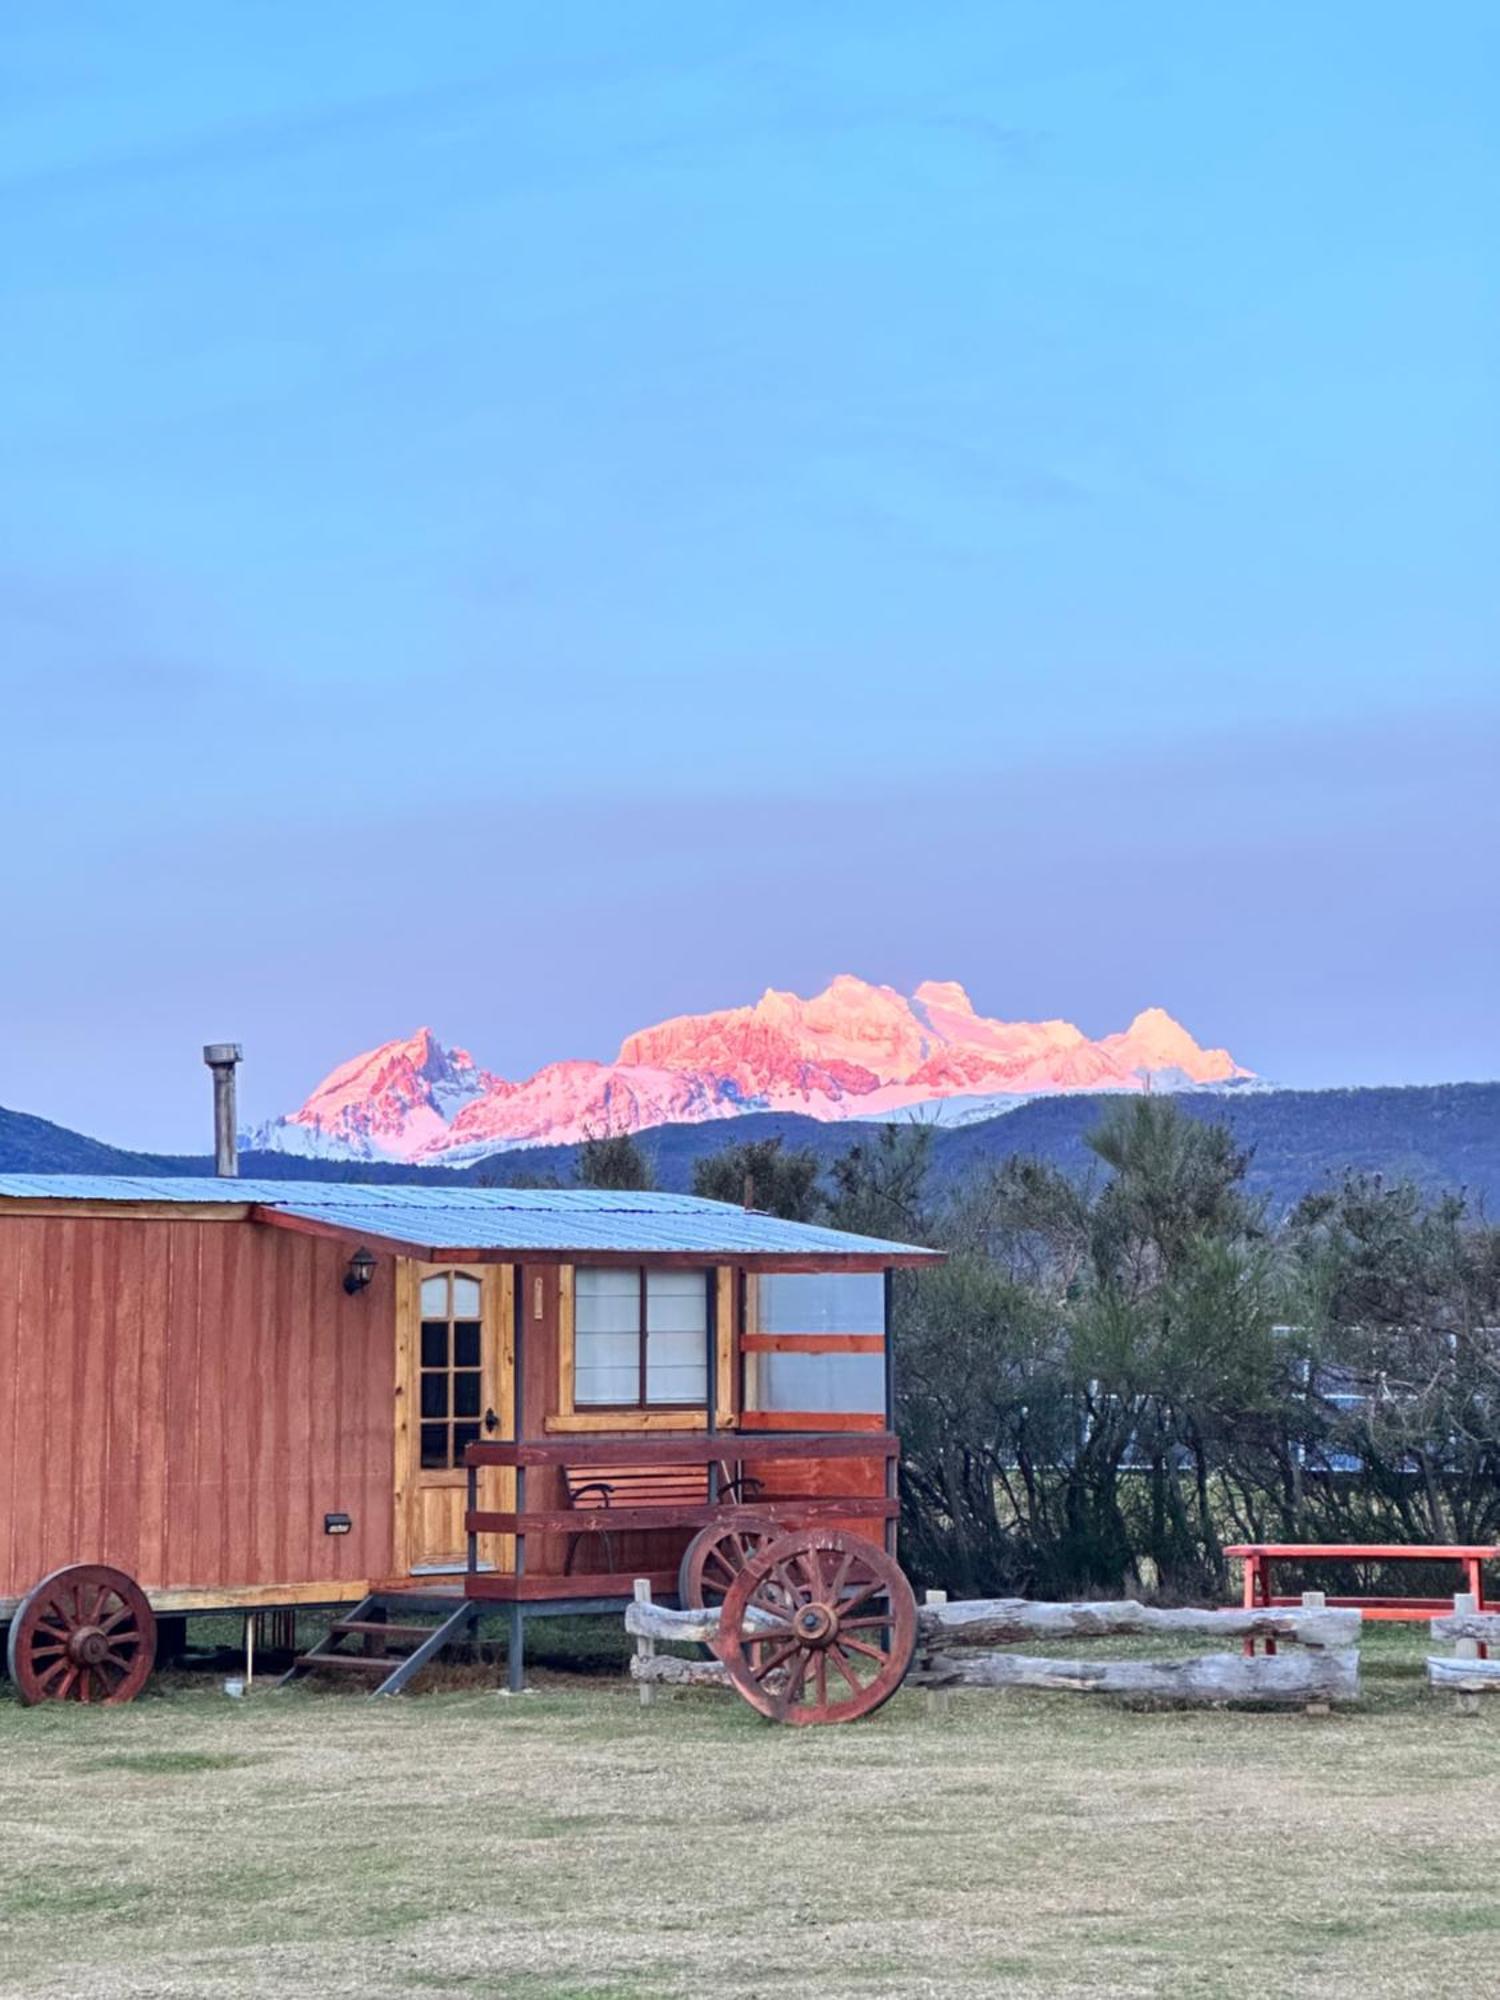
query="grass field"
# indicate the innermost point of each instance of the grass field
(568, 1845)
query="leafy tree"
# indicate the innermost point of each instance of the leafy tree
(880, 1185)
(762, 1174)
(613, 1162)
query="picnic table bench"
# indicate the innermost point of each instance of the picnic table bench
(1258, 1558)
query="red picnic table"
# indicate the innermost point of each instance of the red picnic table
(1259, 1556)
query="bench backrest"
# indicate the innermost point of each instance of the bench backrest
(636, 1485)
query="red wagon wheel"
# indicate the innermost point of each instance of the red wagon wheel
(85, 1633)
(833, 1630)
(716, 1555)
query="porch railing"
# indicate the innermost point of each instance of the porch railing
(726, 1454)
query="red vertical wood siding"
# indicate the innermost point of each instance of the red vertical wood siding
(187, 1399)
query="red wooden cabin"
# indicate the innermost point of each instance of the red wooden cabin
(249, 1394)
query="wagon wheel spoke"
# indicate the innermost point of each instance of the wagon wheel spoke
(760, 1633)
(55, 1674)
(861, 1596)
(840, 1577)
(870, 1623)
(820, 1679)
(836, 1653)
(860, 1646)
(771, 1661)
(795, 1592)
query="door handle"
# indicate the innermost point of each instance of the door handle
(491, 1421)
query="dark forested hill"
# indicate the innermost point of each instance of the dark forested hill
(1440, 1135)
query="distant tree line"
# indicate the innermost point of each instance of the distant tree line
(1115, 1374)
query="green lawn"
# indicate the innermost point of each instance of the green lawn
(570, 1844)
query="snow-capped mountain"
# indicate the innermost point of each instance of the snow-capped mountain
(852, 1051)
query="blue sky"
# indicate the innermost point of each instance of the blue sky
(534, 518)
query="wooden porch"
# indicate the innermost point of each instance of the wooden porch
(782, 1463)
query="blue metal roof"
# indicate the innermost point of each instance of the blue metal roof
(474, 1218)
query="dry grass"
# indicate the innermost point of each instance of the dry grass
(571, 1846)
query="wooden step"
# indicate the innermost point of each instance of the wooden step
(382, 1630)
(348, 1663)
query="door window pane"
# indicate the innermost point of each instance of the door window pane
(450, 1380)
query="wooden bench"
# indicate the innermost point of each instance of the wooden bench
(592, 1490)
(1258, 1558)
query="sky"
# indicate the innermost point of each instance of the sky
(532, 519)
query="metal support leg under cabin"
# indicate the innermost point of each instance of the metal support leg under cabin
(515, 1661)
(516, 1649)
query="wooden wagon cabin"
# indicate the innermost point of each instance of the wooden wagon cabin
(422, 1403)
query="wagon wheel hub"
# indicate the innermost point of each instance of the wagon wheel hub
(88, 1646)
(816, 1624)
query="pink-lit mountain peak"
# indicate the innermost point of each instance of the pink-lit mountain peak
(854, 1050)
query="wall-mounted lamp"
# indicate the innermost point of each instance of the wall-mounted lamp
(361, 1270)
(336, 1524)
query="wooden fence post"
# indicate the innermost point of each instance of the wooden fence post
(935, 1700)
(645, 1649)
(1465, 1601)
(1316, 1600)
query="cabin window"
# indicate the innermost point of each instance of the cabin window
(450, 1374)
(640, 1338)
(828, 1357)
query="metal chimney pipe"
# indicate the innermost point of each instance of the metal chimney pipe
(221, 1058)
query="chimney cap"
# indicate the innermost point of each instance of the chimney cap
(222, 1054)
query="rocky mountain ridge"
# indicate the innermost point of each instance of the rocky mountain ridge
(854, 1051)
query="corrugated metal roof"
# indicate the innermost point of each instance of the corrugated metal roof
(473, 1218)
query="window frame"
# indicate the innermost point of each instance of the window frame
(449, 1371)
(644, 1403)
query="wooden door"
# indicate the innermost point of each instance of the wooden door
(454, 1374)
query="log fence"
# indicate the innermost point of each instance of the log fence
(1466, 1672)
(957, 1649)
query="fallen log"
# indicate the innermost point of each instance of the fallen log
(645, 1620)
(1481, 1625)
(1211, 1677)
(1000, 1621)
(1463, 1676)
(667, 1670)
